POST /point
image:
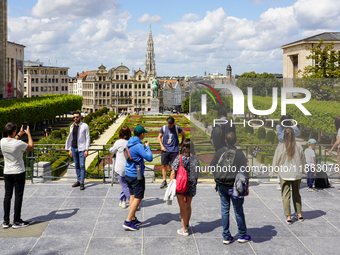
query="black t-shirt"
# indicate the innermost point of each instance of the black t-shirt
(75, 137)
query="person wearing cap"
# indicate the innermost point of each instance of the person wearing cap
(138, 152)
(311, 163)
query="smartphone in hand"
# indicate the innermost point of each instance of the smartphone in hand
(24, 125)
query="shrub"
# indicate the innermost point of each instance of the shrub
(56, 134)
(94, 135)
(63, 131)
(261, 133)
(248, 129)
(270, 136)
(237, 120)
(276, 140)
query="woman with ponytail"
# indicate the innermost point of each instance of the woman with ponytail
(289, 161)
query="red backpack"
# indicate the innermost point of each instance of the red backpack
(182, 184)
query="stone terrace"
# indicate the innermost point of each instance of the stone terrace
(70, 221)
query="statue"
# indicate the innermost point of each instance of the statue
(154, 88)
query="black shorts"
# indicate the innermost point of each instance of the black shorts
(135, 186)
(167, 157)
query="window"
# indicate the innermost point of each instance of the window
(100, 94)
(52, 80)
(64, 72)
(96, 94)
(45, 80)
(56, 80)
(103, 78)
(62, 80)
(139, 101)
(143, 101)
(143, 86)
(61, 72)
(126, 77)
(143, 93)
(135, 101)
(121, 93)
(122, 77)
(100, 86)
(121, 86)
(126, 86)
(56, 88)
(113, 101)
(139, 86)
(25, 88)
(96, 101)
(49, 88)
(36, 80)
(117, 86)
(117, 77)
(41, 89)
(62, 88)
(139, 93)
(130, 101)
(32, 80)
(148, 101)
(65, 88)
(130, 93)
(135, 93)
(108, 101)
(104, 94)
(135, 86)
(25, 80)
(126, 101)
(49, 80)
(113, 86)
(125, 93)
(96, 86)
(130, 86)
(139, 77)
(100, 101)
(149, 86)
(31, 71)
(35, 72)
(113, 94)
(108, 86)
(25, 71)
(149, 93)
(32, 89)
(42, 80)
(100, 78)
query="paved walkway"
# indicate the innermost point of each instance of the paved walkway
(70, 221)
(103, 139)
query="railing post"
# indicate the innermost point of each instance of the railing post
(32, 162)
(103, 164)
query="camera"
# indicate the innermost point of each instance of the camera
(24, 125)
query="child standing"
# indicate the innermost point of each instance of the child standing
(311, 162)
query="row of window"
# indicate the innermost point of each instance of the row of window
(45, 72)
(122, 93)
(121, 86)
(49, 80)
(126, 101)
(42, 89)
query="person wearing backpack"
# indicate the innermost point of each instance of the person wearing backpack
(169, 142)
(233, 159)
(184, 170)
(118, 149)
(138, 153)
(220, 129)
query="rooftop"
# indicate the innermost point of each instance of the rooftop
(326, 36)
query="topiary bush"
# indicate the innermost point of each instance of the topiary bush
(276, 140)
(248, 129)
(63, 131)
(261, 133)
(56, 134)
(270, 136)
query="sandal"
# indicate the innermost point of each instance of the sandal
(289, 222)
(299, 218)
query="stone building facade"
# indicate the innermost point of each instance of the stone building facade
(41, 80)
(3, 46)
(15, 69)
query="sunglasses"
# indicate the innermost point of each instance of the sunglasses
(75, 117)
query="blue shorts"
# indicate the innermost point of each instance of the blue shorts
(167, 157)
(136, 187)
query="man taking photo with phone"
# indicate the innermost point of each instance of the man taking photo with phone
(14, 171)
(78, 143)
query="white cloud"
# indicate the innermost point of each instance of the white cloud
(147, 19)
(190, 16)
(73, 9)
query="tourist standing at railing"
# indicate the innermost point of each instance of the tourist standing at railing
(135, 179)
(14, 172)
(118, 149)
(337, 144)
(190, 162)
(286, 121)
(290, 160)
(168, 139)
(233, 161)
(78, 143)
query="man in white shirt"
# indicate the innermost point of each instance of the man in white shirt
(14, 172)
(78, 143)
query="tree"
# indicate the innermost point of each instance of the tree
(196, 101)
(326, 65)
(185, 107)
(262, 84)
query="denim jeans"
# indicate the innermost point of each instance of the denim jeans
(79, 162)
(225, 196)
(16, 181)
(125, 193)
(310, 177)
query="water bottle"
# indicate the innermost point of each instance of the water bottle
(139, 173)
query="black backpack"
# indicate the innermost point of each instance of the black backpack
(217, 136)
(321, 180)
(225, 171)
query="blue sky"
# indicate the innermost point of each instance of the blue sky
(189, 37)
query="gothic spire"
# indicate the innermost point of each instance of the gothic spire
(150, 66)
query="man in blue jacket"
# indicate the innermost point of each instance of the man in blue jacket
(138, 152)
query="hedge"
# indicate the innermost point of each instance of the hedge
(56, 134)
(270, 136)
(261, 133)
(37, 109)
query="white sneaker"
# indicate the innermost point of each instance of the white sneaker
(278, 187)
(182, 232)
(120, 203)
(123, 205)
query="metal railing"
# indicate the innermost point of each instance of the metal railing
(101, 166)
